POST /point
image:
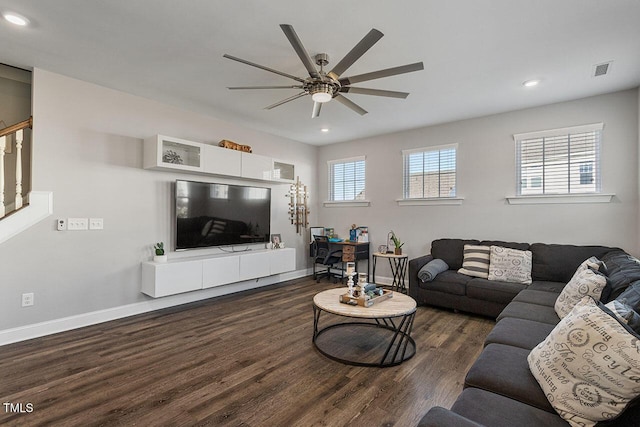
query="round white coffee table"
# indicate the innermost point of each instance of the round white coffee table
(379, 335)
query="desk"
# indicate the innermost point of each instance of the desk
(398, 264)
(351, 252)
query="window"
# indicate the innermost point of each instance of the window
(430, 172)
(560, 161)
(346, 179)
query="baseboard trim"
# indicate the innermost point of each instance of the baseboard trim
(23, 333)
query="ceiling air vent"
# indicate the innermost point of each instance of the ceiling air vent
(601, 69)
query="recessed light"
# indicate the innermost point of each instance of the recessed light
(325, 130)
(531, 83)
(16, 19)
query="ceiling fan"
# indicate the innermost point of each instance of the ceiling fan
(325, 86)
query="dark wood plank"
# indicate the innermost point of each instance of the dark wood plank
(242, 359)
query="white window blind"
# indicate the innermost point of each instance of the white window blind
(561, 161)
(430, 172)
(347, 179)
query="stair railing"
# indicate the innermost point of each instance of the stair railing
(5, 145)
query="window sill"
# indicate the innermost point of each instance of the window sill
(560, 199)
(346, 204)
(430, 202)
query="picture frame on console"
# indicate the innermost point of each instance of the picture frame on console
(276, 241)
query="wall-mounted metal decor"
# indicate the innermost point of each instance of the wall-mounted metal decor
(298, 209)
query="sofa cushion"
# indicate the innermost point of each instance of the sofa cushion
(510, 265)
(558, 263)
(440, 417)
(503, 369)
(518, 333)
(492, 290)
(589, 365)
(547, 286)
(448, 281)
(586, 282)
(491, 409)
(622, 271)
(533, 296)
(450, 250)
(511, 245)
(475, 261)
(535, 312)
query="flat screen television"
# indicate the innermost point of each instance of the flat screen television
(210, 214)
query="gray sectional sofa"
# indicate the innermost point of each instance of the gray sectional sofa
(499, 389)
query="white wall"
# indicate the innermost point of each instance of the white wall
(88, 151)
(486, 174)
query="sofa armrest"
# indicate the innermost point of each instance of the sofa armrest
(414, 267)
(440, 417)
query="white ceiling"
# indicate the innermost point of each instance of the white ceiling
(476, 54)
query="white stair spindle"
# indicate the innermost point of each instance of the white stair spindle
(3, 144)
(19, 138)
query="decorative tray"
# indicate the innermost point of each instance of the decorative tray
(363, 301)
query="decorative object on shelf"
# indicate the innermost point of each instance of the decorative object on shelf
(235, 146)
(353, 233)
(363, 234)
(170, 156)
(276, 242)
(396, 242)
(298, 209)
(351, 271)
(159, 253)
(382, 249)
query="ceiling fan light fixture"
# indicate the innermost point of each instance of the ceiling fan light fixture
(321, 92)
(321, 97)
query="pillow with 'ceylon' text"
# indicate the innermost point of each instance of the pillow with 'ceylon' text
(589, 365)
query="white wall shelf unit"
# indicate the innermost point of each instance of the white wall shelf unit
(191, 274)
(174, 154)
(164, 152)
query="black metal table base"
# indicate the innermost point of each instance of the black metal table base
(388, 344)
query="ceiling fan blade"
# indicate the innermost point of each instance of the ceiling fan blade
(291, 98)
(262, 67)
(265, 87)
(316, 110)
(376, 92)
(300, 50)
(358, 50)
(382, 73)
(352, 105)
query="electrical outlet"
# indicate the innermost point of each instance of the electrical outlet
(77, 224)
(62, 224)
(27, 299)
(96, 223)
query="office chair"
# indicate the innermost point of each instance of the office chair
(324, 256)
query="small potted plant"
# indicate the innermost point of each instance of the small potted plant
(159, 253)
(398, 244)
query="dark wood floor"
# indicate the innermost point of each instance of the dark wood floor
(240, 360)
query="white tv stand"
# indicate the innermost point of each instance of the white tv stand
(191, 274)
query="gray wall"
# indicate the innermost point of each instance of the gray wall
(486, 174)
(88, 152)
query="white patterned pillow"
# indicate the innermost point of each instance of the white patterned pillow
(589, 365)
(586, 282)
(476, 261)
(510, 265)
